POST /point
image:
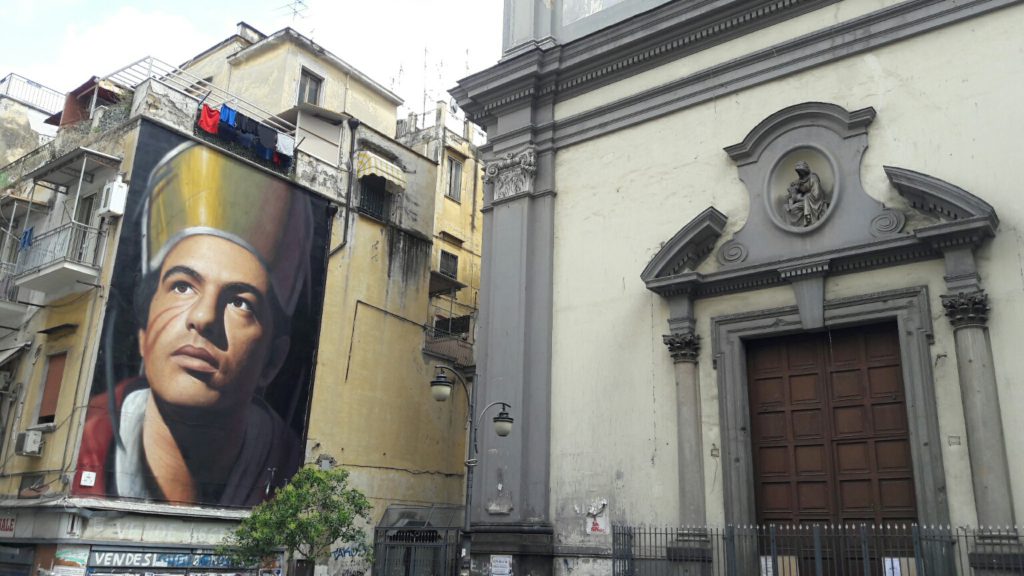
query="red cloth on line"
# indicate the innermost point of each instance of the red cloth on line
(209, 119)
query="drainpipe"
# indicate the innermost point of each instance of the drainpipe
(353, 125)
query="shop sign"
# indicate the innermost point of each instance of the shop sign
(127, 559)
(7, 526)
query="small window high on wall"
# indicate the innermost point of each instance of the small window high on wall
(449, 264)
(454, 179)
(51, 387)
(309, 87)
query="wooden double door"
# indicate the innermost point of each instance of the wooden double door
(829, 428)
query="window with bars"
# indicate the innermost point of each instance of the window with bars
(449, 264)
(454, 179)
(373, 196)
(309, 87)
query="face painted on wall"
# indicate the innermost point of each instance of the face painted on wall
(209, 337)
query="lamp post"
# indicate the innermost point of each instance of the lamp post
(441, 390)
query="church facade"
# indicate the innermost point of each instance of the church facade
(748, 262)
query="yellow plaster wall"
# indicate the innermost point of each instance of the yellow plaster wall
(464, 220)
(215, 64)
(372, 409)
(943, 110)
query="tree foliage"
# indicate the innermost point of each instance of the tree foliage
(313, 511)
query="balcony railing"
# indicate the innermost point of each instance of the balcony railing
(816, 550)
(72, 243)
(32, 93)
(8, 289)
(454, 347)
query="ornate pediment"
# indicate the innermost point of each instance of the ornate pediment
(819, 222)
(688, 248)
(938, 198)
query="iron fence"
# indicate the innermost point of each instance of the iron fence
(816, 550)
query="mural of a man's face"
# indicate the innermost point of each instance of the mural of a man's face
(209, 338)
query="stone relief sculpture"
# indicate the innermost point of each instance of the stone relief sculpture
(805, 202)
(512, 174)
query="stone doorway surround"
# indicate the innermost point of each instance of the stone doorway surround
(910, 309)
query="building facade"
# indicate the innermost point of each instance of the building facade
(747, 262)
(338, 214)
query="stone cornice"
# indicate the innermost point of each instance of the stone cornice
(648, 40)
(688, 248)
(924, 244)
(510, 84)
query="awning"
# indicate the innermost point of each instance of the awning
(64, 171)
(7, 355)
(369, 163)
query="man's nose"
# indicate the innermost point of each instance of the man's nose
(202, 314)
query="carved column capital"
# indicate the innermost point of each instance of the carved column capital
(683, 347)
(513, 174)
(966, 308)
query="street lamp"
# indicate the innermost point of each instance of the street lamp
(441, 390)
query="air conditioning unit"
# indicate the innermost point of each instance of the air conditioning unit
(113, 198)
(29, 443)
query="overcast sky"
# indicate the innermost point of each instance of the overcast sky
(402, 44)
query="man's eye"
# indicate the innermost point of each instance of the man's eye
(181, 288)
(241, 304)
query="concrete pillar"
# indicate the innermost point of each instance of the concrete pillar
(990, 473)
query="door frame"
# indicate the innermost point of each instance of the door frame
(910, 308)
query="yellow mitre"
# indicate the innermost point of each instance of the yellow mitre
(198, 190)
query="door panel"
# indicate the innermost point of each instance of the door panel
(829, 427)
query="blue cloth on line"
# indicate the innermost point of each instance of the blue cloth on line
(228, 115)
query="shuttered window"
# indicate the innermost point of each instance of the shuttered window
(51, 387)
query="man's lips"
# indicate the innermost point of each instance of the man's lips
(195, 359)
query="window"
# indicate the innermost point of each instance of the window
(51, 388)
(449, 264)
(454, 179)
(309, 87)
(373, 197)
(456, 325)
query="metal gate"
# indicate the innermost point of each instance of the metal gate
(417, 541)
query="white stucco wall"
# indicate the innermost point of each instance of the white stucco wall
(945, 104)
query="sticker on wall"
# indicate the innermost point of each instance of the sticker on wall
(597, 517)
(501, 565)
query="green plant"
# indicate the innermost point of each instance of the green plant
(313, 511)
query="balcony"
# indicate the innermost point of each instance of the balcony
(11, 312)
(455, 348)
(64, 259)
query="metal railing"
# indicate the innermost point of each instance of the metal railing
(134, 74)
(32, 93)
(8, 289)
(816, 550)
(454, 347)
(72, 242)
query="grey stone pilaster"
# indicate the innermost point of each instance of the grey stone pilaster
(684, 346)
